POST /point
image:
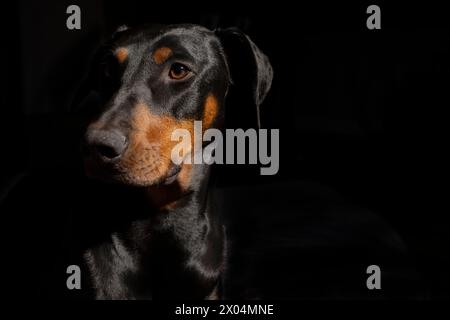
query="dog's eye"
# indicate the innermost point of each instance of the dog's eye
(179, 71)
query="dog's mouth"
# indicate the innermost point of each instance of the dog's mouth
(144, 175)
(172, 174)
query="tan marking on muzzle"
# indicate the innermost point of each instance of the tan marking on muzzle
(148, 157)
(211, 109)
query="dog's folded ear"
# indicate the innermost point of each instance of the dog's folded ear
(251, 76)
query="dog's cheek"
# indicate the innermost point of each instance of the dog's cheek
(210, 111)
(184, 177)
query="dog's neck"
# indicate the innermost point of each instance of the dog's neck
(176, 252)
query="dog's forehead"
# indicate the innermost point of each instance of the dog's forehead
(192, 38)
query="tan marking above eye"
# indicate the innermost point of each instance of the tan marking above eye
(160, 55)
(121, 54)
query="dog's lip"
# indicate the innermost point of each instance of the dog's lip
(172, 174)
(110, 172)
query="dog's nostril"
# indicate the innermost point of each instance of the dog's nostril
(107, 151)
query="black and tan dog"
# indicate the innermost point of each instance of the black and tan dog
(146, 83)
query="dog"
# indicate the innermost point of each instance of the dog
(144, 83)
(145, 228)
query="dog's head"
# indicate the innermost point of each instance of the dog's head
(147, 82)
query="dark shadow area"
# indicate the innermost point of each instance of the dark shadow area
(362, 147)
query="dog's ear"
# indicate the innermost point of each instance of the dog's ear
(251, 77)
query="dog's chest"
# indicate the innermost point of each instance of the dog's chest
(114, 270)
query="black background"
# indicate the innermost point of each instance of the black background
(361, 112)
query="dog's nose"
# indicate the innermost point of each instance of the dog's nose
(109, 144)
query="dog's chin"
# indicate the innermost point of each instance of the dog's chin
(138, 181)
